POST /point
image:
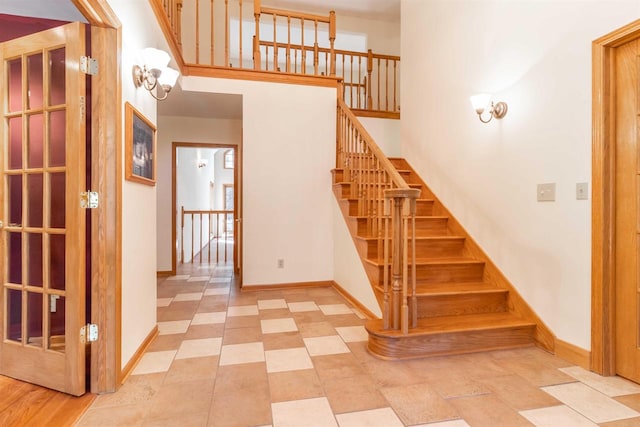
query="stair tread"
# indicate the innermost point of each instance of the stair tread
(417, 200)
(434, 238)
(452, 324)
(437, 261)
(439, 217)
(454, 288)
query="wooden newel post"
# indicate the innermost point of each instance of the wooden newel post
(332, 39)
(256, 37)
(369, 71)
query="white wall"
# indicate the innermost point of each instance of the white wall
(386, 134)
(536, 56)
(288, 153)
(138, 201)
(183, 129)
(222, 176)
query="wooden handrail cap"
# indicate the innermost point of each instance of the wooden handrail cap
(405, 193)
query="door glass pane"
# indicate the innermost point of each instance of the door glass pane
(57, 194)
(14, 315)
(34, 200)
(14, 184)
(15, 84)
(15, 258)
(34, 81)
(34, 319)
(56, 322)
(35, 141)
(34, 255)
(56, 261)
(57, 138)
(57, 75)
(15, 143)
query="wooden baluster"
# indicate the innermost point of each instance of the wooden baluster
(378, 94)
(326, 63)
(197, 31)
(386, 90)
(351, 81)
(192, 237)
(288, 68)
(385, 272)
(359, 78)
(182, 235)
(343, 72)
(369, 71)
(256, 39)
(295, 63)
(209, 237)
(414, 297)
(395, 85)
(266, 55)
(179, 23)
(315, 49)
(200, 238)
(275, 45)
(332, 39)
(303, 68)
(404, 313)
(212, 28)
(226, 33)
(240, 24)
(226, 240)
(217, 237)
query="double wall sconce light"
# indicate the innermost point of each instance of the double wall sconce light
(480, 103)
(154, 72)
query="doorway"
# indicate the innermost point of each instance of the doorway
(206, 219)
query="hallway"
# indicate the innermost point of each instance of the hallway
(298, 357)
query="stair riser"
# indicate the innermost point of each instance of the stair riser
(425, 274)
(352, 191)
(423, 208)
(425, 227)
(414, 346)
(456, 304)
(440, 248)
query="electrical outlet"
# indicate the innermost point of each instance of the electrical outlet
(280, 263)
(582, 191)
(547, 192)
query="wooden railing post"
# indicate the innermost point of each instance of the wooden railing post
(256, 37)
(332, 39)
(369, 71)
(182, 235)
(178, 26)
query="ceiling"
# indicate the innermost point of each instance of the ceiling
(201, 104)
(62, 10)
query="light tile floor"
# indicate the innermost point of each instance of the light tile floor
(298, 358)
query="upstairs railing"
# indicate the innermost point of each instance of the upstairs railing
(244, 34)
(209, 231)
(388, 204)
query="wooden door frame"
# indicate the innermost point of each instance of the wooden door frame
(603, 280)
(237, 181)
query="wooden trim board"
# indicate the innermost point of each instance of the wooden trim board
(165, 273)
(346, 295)
(130, 366)
(293, 285)
(572, 353)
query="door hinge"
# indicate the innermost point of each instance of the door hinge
(89, 200)
(89, 333)
(88, 65)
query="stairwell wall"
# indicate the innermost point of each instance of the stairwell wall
(536, 56)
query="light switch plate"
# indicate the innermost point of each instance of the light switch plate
(582, 191)
(547, 192)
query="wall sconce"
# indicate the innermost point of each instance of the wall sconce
(481, 101)
(202, 163)
(155, 73)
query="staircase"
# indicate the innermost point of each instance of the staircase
(464, 303)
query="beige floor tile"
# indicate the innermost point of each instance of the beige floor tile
(457, 385)
(556, 416)
(219, 280)
(192, 296)
(290, 359)
(199, 348)
(295, 385)
(611, 386)
(198, 279)
(173, 327)
(209, 318)
(383, 417)
(275, 313)
(164, 302)
(535, 370)
(350, 319)
(178, 399)
(303, 306)
(282, 340)
(166, 342)
(270, 304)
(216, 291)
(629, 422)
(297, 413)
(359, 314)
(322, 346)
(316, 329)
(594, 405)
(631, 400)
(353, 333)
(419, 404)
(274, 326)
(241, 336)
(177, 311)
(200, 368)
(242, 310)
(204, 331)
(138, 389)
(351, 394)
(518, 393)
(337, 366)
(184, 420)
(236, 354)
(242, 322)
(153, 362)
(452, 423)
(241, 377)
(212, 304)
(309, 317)
(487, 410)
(126, 415)
(331, 309)
(178, 277)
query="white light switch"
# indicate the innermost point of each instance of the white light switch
(582, 191)
(547, 192)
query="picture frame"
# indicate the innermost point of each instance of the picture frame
(140, 147)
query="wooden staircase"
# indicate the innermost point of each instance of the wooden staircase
(464, 303)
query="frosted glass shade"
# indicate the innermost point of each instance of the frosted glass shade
(155, 59)
(480, 102)
(168, 77)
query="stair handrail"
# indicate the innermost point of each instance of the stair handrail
(209, 220)
(389, 205)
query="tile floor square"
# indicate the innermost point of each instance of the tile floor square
(153, 362)
(332, 309)
(352, 333)
(269, 304)
(594, 405)
(300, 307)
(209, 318)
(383, 417)
(198, 279)
(611, 386)
(216, 291)
(164, 302)
(321, 346)
(242, 310)
(192, 296)
(289, 359)
(452, 423)
(173, 327)
(179, 277)
(220, 280)
(359, 314)
(273, 326)
(199, 348)
(556, 416)
(297, 413)
(236, 354)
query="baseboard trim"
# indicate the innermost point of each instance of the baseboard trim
(280, 286)
(138, 355)
(165, 273)
(357, 304)
(574, 354)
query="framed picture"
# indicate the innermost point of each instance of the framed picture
(140, 147)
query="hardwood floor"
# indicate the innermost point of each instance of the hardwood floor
(24, 404)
